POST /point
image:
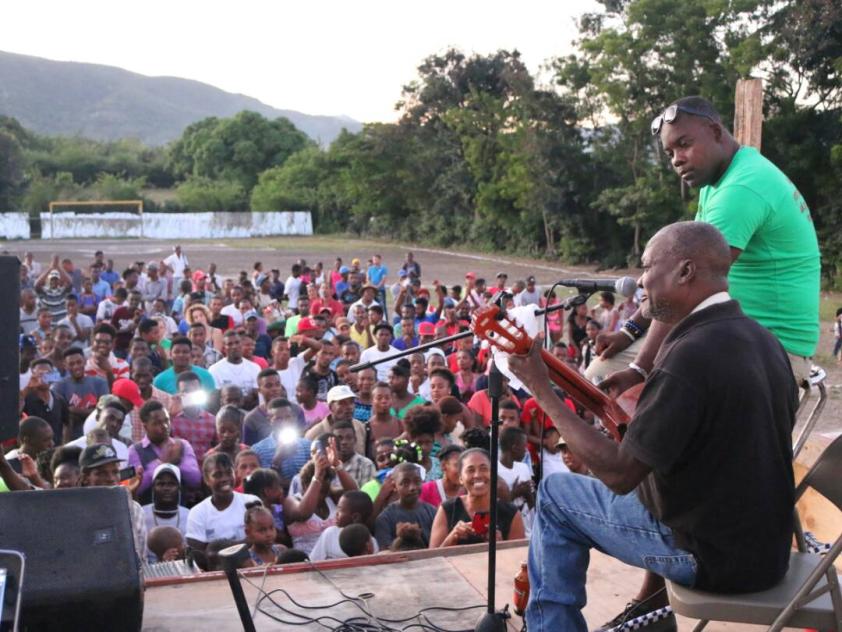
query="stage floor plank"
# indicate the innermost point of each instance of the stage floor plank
(399, 588)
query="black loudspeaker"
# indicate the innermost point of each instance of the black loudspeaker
(9, 346)
(82, 572)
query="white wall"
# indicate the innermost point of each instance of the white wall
(175, 225)
(14, 225)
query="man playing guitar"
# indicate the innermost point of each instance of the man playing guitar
(708, 451)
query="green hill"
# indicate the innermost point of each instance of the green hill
(107, 103)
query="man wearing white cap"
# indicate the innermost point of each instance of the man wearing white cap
(165, 510)
(340, 400)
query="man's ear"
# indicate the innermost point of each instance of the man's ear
(686, 271)
(718, 133)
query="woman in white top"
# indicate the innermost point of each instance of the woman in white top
(222, 514)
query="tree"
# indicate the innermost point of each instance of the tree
(11, 170)
(206, 195)
(236, 149)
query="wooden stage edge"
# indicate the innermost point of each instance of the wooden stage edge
(398, 585)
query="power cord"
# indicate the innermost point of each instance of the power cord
(367, 623)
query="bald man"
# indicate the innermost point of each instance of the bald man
(708, 453)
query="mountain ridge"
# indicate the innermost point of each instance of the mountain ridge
(106, 102)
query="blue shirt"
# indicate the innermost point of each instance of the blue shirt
(166, 380)
(376, 274)
(109, 277)
(101, 288)
(291, 464)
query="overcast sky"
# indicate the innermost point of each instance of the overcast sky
(328, 57)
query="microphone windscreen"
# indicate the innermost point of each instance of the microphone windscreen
(625, 286)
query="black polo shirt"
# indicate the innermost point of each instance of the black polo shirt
(57, 414)
(714, 423)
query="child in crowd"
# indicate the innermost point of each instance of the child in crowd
(592, 330)
(512, 469)
(306, 527)
(265, 483)
(408, 508)
(410, 538)
(422, 423)
(64, 465)
(229, 430)
(247, 461)
(448, 486)
(354, 508)
(572, 460)
(306, 392)
(355, 540)
(165, 544)
(221, 514)
(551, 459)
(261, 534)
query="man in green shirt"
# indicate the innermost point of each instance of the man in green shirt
(775, 260)
(775, 269)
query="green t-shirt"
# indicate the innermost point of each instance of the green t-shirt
(776, 277)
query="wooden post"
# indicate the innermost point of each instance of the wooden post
(748, 112)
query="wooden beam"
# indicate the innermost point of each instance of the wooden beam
(748, 112)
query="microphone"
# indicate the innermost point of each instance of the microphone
(624, 286)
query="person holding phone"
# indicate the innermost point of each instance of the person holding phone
(464, 519)
(39, 400)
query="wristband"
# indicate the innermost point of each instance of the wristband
(633, 328)
(628, 333)
(639, 369)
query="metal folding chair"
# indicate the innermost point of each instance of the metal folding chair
(807, 597)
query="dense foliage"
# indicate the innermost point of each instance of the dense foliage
(485, 154)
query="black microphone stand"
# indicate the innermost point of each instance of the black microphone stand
(493, 620)
(231, 559)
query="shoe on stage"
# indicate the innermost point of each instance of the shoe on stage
(641, 616)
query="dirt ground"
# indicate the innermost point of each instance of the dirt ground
(448, 266)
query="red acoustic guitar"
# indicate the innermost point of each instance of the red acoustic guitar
(505, 334)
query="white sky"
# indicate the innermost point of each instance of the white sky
(328, 57)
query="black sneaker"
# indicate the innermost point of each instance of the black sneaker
(641, 616)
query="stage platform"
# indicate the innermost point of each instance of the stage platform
(399, 585)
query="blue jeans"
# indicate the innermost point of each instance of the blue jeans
(577, 513)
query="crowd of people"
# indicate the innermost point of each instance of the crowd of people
(228, 410)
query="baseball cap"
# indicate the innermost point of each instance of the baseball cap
(167, 467)
(278, 325)
(251, 314)
(95, 455)
(54, 275)
(426, 329)
(152, 265)
(470, 275)
(27, 341)
(369, 286)
(502, 275)
(344, 270)
(338, 393)
(530, 279)
(449, 302)
(355, 262)
(127, 390)
(306, 324)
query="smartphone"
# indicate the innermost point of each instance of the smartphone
(480, 523)
(11, 582)
(127, 473)
(52, 377)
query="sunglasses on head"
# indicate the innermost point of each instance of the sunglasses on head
(671, 113)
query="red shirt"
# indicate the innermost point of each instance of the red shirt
(200, 432)
(481, 405)
(532, 411)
